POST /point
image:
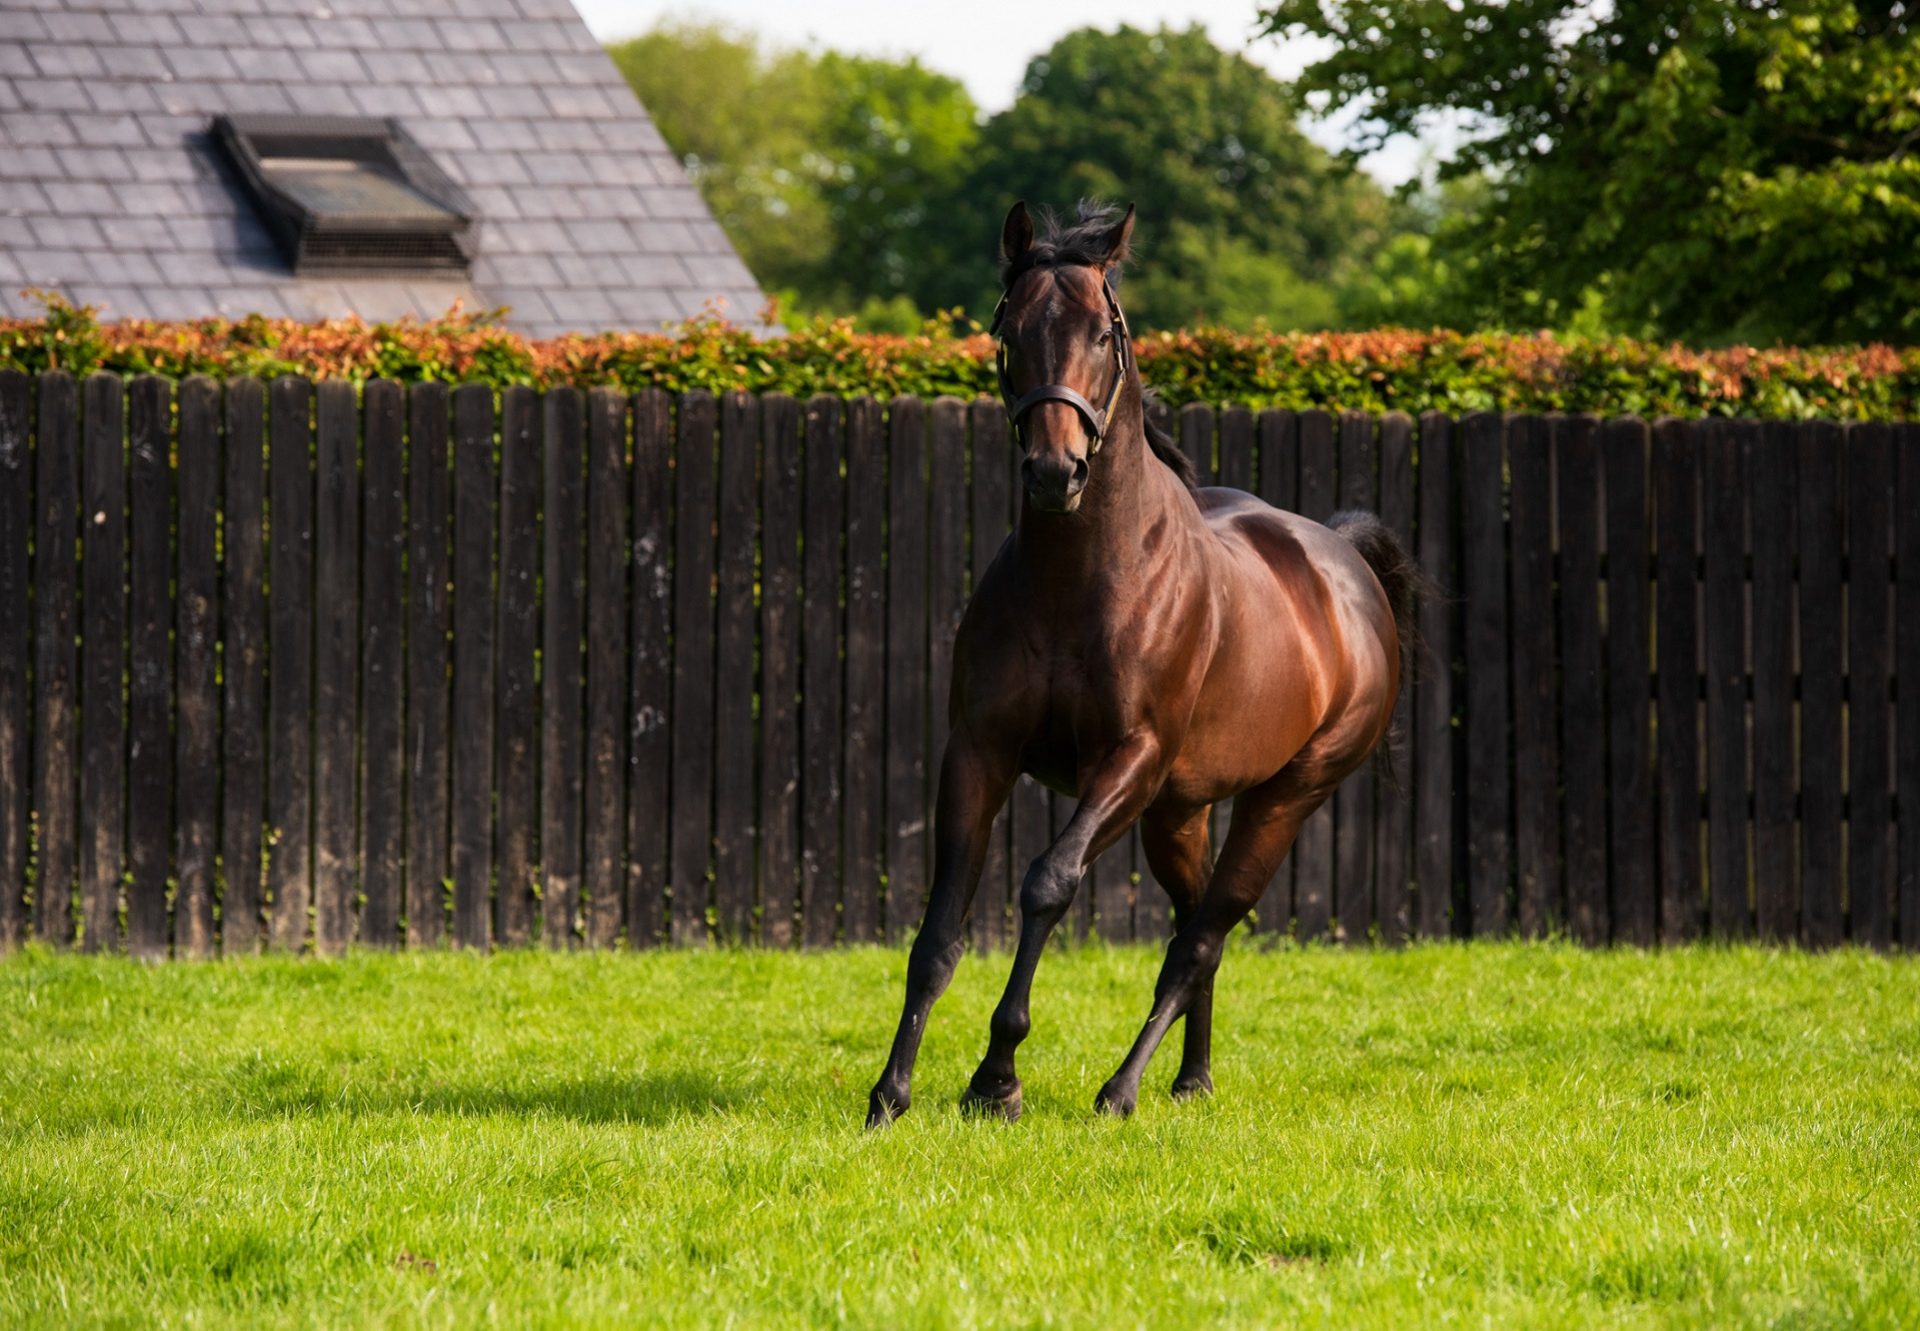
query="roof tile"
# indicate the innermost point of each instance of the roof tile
(134, 62)
(72, 61)
(30, 129)
(470, 34)
(526, 302)
(328, 66)
(108, 131)
(138, 29)
(76, 27)
(55, 95)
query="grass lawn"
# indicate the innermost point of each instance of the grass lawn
(1455, 1135)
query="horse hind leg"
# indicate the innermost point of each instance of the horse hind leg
(1265, 822)
(1179, 850)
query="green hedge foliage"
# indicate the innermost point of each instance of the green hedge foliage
(1382, 370)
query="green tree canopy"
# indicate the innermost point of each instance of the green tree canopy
(822, 168)
(1706, 169)
(1242, 218)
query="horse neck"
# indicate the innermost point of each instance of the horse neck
(1103, 536)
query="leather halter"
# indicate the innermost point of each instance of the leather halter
(1097, 421)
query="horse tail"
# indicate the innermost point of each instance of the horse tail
(1407, 586)
(1403, 580)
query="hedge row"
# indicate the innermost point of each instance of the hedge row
(1385, 370)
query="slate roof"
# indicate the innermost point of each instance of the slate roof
(112, 191)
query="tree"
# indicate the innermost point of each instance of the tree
(822, 168)
(1242, 217)
(1706, 169)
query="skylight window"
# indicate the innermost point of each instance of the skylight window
(345, 195)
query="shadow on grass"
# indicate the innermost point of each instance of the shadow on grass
(645, 1099)
(275, 1088)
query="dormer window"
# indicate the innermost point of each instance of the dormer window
(344, 195)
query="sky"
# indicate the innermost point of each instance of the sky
(986, 43)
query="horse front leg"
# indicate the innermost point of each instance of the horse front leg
(973, 785)
(1112, 796)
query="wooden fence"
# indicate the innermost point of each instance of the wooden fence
(287, 665)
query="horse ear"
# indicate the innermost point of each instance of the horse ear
(1119, 241)
(1016, 234)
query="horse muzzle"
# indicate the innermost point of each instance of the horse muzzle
(1055, 483)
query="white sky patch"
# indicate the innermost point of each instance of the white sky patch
(986, 44)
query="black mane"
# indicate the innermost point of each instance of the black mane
(1083, 244)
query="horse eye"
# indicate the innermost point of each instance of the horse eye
(1106, 336)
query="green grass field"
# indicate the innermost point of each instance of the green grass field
(1457, 1135)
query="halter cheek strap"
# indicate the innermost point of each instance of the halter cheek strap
(1097, 420)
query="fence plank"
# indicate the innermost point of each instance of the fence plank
(906, 669)
(103, 770)
(290, 662)
(1772, 475)
(382, 646)
(1906, 621)
(197, 731)
(1484, 566)
(243, 758)
(1433, 733)
(1030, 832)
(475, 491)
(780, 424)
(1278, 481)
(56, 462)
(1111, 891)
(1236, 449)
(1313, 849)
(947, 499)
(1822, 531)
(605, 786)
(1724, 606)
(1536, 748)
(992, 521)
(1624, 449)
(1675, 466)
(336, 661)
(16, 519)
(1353, 802)
(693, 692)
(516, 696)
(150, 665)
(1869, 465)
(1582, 703)
(734, 782)
(1196, 439)
(820, 675)
(650, 709)
(866, 670)
(1393, 812)
(428, 624)
(562, 701)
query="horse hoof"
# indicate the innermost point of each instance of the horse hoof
(1114, 1101)
(1192, 1088)
(883, 1109)
(976, 1104)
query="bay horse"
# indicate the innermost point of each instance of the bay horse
(1149, 646)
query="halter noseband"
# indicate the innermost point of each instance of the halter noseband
(1097, 421)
